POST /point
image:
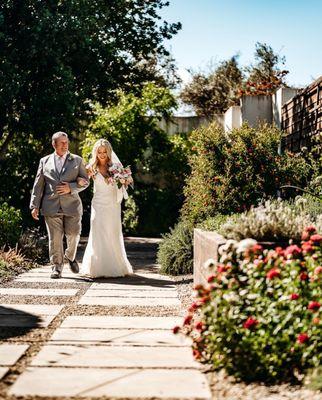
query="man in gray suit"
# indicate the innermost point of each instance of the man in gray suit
(55, 193)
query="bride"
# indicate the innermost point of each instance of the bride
(105, 254)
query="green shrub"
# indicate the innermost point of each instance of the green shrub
(175, 254)
(10, 222)
(259, 317)
(273, 220)
(231, 172)
(34, 245)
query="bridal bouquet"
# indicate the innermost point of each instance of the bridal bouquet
(120, 175)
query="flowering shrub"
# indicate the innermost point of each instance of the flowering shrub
(229, 173)
(259, 318)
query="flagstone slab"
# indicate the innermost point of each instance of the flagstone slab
(3, 371)
(36, 309)
(131, 293)
(114, 356)
(37, 292)
(28, 321)
(112, 383)
(127, 286)
(10, 353)
(130, 301)
(119, 337)
(114, 322)
(47, 279)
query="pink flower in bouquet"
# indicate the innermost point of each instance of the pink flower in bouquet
(120, 175)
(294, 296)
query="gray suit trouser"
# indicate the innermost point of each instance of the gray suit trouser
(58, 226)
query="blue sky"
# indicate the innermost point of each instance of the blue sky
(217, 29)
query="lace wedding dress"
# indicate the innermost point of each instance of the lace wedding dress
(105, 254)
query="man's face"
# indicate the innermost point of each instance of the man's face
(61, 145)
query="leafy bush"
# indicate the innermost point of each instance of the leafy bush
(175, 254)
(34, 245)
(10, 222)
(231, 172)
(314, 379)
(273, 220)
(259, 317)
(12, 263)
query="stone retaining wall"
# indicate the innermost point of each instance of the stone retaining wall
(205, 246)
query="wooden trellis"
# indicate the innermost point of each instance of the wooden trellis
(302, 118)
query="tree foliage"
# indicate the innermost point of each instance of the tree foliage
(56, 55)
(214, 92)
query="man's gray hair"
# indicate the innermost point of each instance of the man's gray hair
(58, 135)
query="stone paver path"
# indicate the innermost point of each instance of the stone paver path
(111, 337)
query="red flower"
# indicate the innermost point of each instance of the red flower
(176, 329)
(211, 278)
(318, 270)
(199, 287)
(196, 353)
(304, 276)
(221, 268)
(199, 326)
(316, 238)
(193, 307)
(257, 248)
(310, 229)
(272, 273)
(307, 247)
(294, 296)
(302, 338)
(292, 250)
(250, 323)
(187, 319)
(314, 305)
(279, 251)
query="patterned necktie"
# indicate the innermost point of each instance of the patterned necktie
(59, 164)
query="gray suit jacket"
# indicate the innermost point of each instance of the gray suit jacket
(44, 194)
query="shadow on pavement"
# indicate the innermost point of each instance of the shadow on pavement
(15, 322)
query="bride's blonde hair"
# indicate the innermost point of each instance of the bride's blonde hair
(104, 143)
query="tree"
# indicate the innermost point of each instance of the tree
(214, 93)
(158, 161)
(56, 55)
(266, 76)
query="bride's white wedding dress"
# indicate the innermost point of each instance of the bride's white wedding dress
(105, 254)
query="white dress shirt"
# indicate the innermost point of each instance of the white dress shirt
(60, 161)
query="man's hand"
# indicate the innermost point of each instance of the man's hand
(63, 188)
(35, 213)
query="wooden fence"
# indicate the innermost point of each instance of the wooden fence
(302, 118)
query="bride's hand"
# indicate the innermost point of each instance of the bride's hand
(90, 171)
